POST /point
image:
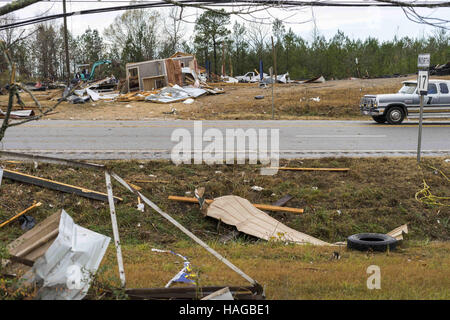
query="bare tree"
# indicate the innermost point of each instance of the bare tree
(173, 28)
(257, 34)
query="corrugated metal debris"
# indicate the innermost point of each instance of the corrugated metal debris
(64, 272)
(237, 211)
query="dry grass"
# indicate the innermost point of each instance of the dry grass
(339, 99)
(292, 272)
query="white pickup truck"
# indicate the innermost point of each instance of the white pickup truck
(395, 107)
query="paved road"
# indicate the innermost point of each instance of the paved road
(152, 139)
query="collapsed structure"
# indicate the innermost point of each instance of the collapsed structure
(157, 74)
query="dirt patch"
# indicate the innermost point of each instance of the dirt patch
(338, 99)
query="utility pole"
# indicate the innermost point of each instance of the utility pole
(66, 44)
(274, 53)
(271, 72)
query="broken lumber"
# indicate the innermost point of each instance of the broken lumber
(311, 169)
(19, 214)
(55, 185)
(259, 206)
(281, 202)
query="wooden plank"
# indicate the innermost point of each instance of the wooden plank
(239, 293)
(55, 185)
(28, 263)
(40, 230)
(45, 159)
(311, 169)
(259, 206)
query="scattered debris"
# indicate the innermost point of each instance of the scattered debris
(27, 222)
(18, 114)
(371, 241)
(310, 169)
(239, 212)
(112, 211)
(397, 233)
(257, 188)
(257, 287)
(316, 99)
(336, 255)
(64, 272)
(186, 275)
(175, 94)
(222, 294)
(33, 244)
(281, 202)
(20, 214)
(440, 69)
(54, 185)
(319, 79)
(194, 293)
(173, 111)
(228, 79)
(189, 101)
(259, 97)
(140, 206)
(93, 95)
(259, 206)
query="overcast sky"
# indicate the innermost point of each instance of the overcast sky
(382, 23)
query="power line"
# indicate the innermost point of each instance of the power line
(211, 3)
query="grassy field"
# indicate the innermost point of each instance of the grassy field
(338, 99)
(376, 195)
(417, 270)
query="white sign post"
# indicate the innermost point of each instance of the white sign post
(423, 63)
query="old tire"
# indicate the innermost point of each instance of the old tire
(395, 115)
(379, 119)
(371, 241)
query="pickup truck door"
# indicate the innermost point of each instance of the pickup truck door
(432, 98)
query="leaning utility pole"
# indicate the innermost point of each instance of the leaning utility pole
(66, 44)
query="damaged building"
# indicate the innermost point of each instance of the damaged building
(156, 74)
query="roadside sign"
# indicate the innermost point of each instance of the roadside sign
(422, 82)
(423, 61)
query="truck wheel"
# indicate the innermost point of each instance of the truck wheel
(371, 241)
(395, 115)
(379, 119)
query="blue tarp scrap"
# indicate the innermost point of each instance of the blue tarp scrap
(186, 275)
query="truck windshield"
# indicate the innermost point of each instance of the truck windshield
(408, 88)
